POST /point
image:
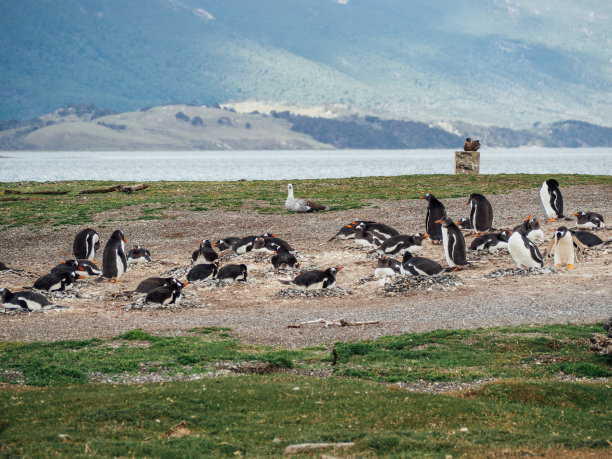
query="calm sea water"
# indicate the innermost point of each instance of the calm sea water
(286, 165)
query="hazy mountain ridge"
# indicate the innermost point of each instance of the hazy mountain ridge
(507, 63)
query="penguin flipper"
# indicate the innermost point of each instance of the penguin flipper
(121, 254)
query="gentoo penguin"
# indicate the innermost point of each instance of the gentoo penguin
(231, 273)
(314, 280)
(284, 259)
(398, 245)
(481, 213)
(524, 252)
(562, 244)
(3, 267)
(530, 228)
(225, 243)
(245, 244)
(471, 145)
(154, 282)
(204, 254)
(270, 244)
(56, 282)
(348, 231)
(454, 243)
(88, 268)
(138, 254)
(365, 239)
(589, 220)
(114, 263)
(203, 271)
(491, 242)
(380, 230)
(464, 223)
(66, 267)
(589, 239)
(550, 194)
(25, 300)
(387, 266)
(167, 294)
(420, 265)
(435, 211)
(86, 244)
(300, 205)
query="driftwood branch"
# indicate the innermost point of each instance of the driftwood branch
(35, 192)
(327, 323)
(121, 188)
(302, 447)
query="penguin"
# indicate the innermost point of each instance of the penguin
(270, 244)
(435, 211)
(589, 220)
(203, 271)
(225, 243)
(293, 204)
(365, 238)
(284, 259)
(315, 279)
(398, 245)
(138, 254)
(86, 244)
(524, 252)
(589, 239)
(3, 267)
(420, 265)
(454, 243)
(562, 244)
(154, 282)
(204, 254)
(348, 231)
(379, 230)
(114, 263)
(464, 223)
(167, 294)
(387, 266)
(531, 229)
(88, 268)
(550, 194)
(491, 242)
(481, 213)
(25, 300)
(56, 282)
(231, 273)
(245, 244)
(66, 267)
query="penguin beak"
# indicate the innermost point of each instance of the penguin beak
(273, 235)
(125, 240)
(185, 285)
(80, 269)
(421, 197)
(63, 262)
(215, 244)
(348, 226)
(576, 214)
(438, 221)
(425, 235)
(340, 268)
(528, 217)
(467, 203)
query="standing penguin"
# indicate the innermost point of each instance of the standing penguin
(114, 262)
(86, 243)
(481, 213)
(524, 252)
(435, 211)
(562, 244)
(454, 243)
(550, 194)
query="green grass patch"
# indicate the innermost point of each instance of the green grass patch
(168, 199)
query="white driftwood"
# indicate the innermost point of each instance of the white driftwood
(296, 449)
(327, 323)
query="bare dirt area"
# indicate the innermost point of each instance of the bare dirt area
(258, 313)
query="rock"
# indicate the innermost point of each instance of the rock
(467, 162)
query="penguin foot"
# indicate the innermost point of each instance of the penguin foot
(115, 281)
(551, 220)
(570, 266)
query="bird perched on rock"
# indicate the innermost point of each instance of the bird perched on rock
(293, 204)
(471, 145)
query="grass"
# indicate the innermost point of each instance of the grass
(169, 199)
(58, 412)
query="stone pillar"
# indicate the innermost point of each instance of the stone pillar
(467, 162)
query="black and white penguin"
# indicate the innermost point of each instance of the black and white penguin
(154, 282)
(225, 243)
(435, 211)
(562, 245)
(550, 194)
(454, 243)
(348, 231)
(531, 229)
(420, 265)
(56, 282)
(3, 267)
(491, 242)
(481, 213)
(589, 239)
(398, 245)
(464, 223)
(66, 267)
(86, 244)
(315, 279)
(284, 259)
(232, 273)
(387, 266)
(524, 252)
(167, 294)
(203, 271)
(204, 254)
(25, 300)
(114, 263)
(379, 230)
(138, 254)
(88, 268)
(364, 238)
(589, 220)
(270, 244)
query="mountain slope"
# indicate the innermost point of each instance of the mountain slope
(498, 62)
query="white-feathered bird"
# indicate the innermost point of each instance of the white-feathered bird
(293, 204)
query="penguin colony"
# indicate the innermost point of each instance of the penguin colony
(379, 238)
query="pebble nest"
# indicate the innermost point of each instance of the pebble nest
(407, 284)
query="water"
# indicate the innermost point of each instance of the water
(142, 166)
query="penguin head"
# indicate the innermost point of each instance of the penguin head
(117, 234)
(4, 294)
(71, 264)
(427, 196)
(504, 235)
(552, 183)
(243, 268)
(333, 270)
(561, 232)
(445, 221)
(407, 256)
